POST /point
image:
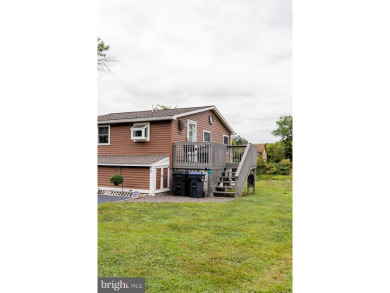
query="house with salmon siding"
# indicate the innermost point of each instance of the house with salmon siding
(145, 147)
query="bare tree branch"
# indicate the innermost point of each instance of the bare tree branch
(103, 61)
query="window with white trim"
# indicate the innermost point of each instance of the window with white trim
(104, 135)
(191, 131)
(225, 139)
(206, 135)
(140, 132)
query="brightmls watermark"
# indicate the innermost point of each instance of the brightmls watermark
(125, 285)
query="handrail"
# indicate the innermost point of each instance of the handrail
(248, 162)
(235, 153)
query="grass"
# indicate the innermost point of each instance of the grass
(274, 177)
(244, 245)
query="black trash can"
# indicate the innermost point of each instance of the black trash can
(180, 186)
(196, 180)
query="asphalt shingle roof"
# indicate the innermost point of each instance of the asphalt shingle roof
(129, 159)
(148, 114)
(260, 147)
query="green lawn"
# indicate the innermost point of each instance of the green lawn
(274, 177)
(244, 245)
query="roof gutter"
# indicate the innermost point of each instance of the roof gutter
(135, 120)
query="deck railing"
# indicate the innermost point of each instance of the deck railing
(235, 153)
(248, 162)
(199, 155)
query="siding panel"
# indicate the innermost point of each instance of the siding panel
(134, 177)
(217, 129)
(121, 144)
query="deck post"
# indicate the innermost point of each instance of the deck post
(209, 184)
(254, 185)
(247, 185)
(236, 188)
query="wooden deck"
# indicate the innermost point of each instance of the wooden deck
(218, 158)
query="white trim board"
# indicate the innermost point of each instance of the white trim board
(193, 112)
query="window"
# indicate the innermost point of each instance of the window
(206, 135)
(140, 132)
(191, 131)
(104, 135)
(226, 139)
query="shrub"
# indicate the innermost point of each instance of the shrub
(286, 162)
(276, 152)
(282, 168)
(116, 179)
(261, 165)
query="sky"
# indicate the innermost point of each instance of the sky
(235, 55)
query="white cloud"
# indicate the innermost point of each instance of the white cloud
(232, 54)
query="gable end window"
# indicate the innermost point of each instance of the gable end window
(104, 135)
(206, 135)
(140, 132)
(225, 139)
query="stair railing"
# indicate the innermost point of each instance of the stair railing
(248, 162)
(235, 153)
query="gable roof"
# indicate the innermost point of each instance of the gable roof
(158, 115)
(260, 147)
(149, 114)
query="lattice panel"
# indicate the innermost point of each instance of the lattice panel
(114, 193)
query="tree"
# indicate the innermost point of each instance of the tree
(275, 152)
(285, 131)
(162, 107)
(238, 140)
(103, 61)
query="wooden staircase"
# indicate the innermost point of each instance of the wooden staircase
(236, 171)
(226, 185)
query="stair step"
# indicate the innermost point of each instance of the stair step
(224, 192)
(224, 182)
(232, 165)
(225, 187)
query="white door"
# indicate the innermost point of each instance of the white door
(191, 137)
